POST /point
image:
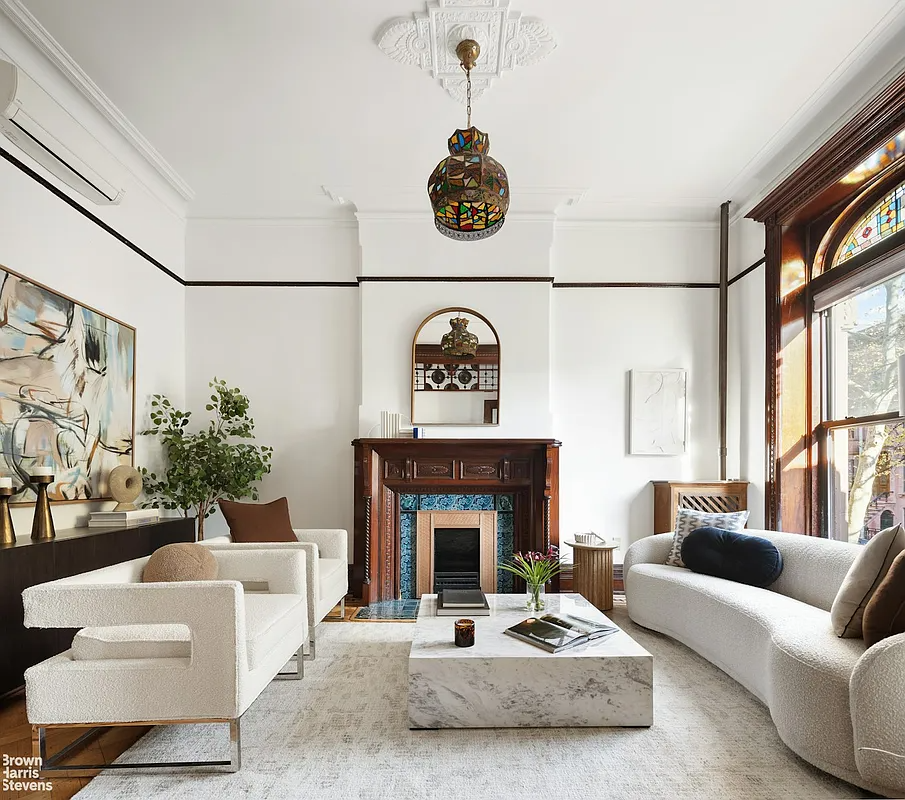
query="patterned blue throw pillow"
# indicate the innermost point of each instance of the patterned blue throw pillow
(734, 556)
(688, 521)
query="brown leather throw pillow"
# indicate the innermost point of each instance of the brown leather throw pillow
(183, 561)
(884, 615)
(258, 522)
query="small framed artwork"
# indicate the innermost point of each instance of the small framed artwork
(658, 424)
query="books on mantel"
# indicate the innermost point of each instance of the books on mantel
(558, 632)
(111, 519)
(462, 602)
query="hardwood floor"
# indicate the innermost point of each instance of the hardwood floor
(15, 740)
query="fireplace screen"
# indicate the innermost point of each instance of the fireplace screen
(457, 558)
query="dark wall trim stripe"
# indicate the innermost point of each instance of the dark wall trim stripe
(453, 279)
(87, 214)
(750, 269)
(361, 278)
(306, 284)
(636, 285)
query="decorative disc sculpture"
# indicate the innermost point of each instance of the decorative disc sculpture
(125, 485)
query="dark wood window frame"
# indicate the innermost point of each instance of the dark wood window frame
(788, 212)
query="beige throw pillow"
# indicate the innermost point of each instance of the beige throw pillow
(688, 521)
(183, 561)
(862, 580)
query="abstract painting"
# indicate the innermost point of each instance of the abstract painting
(657, 425)
(67, 384)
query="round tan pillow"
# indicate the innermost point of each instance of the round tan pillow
(184, 561)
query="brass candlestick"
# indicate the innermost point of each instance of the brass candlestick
(7, 534)
(42, 527)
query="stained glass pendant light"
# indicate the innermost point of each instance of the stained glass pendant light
(459, 342)
(469, 190)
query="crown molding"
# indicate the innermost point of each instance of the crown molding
(805, 132)
(278, 222)
(593, 224)
(38, 35)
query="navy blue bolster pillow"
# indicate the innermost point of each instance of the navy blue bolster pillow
(734, 556)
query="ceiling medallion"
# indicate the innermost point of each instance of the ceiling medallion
(428, 40)
(469, 190)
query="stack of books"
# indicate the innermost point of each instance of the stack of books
(459, 602)
(118, 519)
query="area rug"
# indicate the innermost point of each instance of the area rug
(342, 733)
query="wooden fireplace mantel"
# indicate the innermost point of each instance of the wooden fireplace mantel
(385, 468)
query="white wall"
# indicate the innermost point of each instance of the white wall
(747, 364)
(294, 352)
(44, 239)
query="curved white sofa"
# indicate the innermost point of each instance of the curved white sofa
(835, 703)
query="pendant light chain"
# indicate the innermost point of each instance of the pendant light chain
(468, 93)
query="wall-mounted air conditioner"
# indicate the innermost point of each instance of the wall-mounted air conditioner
(39, 125)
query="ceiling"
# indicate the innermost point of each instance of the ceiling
(654, 110)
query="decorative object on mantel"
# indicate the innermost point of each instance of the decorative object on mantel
(209, 465)
(125, 485)
(7, 532)
(455, 373)
(658, 423)
(428, 40)
(68, 387)
(469, 190)
(42, 525)
(536, 570)
(458, 342)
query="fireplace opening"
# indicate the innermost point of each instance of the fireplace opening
(457, 558)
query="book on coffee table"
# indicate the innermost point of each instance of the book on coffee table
(558, 632)
(459, 602)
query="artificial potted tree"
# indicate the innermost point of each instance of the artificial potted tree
(216, 462)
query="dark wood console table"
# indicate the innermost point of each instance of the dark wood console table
(384, 468)
(74, 550)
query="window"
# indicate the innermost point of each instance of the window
(884, 219)
(865, 435)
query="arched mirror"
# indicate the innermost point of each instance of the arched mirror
(456, 370)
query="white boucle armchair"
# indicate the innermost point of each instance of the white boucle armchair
(327, 570)
(165, 653)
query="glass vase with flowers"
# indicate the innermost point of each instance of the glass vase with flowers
(536, 570)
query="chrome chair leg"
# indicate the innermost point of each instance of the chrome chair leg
(299, 673)
(342, 612)
(312, 648)
(54, 763)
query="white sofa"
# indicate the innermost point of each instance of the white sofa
(835, 703)
(166, 653)
(327, 569)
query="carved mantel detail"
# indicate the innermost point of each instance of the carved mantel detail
(384, 468)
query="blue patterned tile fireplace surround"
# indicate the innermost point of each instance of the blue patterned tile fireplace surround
(411, 504)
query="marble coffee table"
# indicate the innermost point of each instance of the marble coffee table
(502, 682)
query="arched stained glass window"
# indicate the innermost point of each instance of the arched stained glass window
(884, 219)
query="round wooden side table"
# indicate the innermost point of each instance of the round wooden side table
(593, 573)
